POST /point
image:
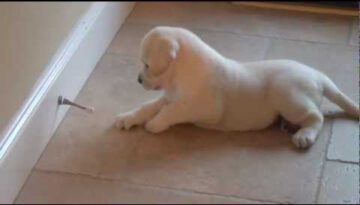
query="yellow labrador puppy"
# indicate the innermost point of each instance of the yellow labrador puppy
(203, 87)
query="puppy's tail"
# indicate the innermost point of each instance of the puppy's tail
(334, 94)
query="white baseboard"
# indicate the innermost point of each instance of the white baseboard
(32, 127)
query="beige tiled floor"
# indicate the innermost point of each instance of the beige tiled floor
(88, 161)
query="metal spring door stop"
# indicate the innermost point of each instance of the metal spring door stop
(64, 101)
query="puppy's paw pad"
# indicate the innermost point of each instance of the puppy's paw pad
(304, 138)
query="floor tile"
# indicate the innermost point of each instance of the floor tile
(83, 141)
(241, 48)
(245, 20)
(234, 46)
(344, 143)
(251, 164)
(126, 43)
(340, 184)
(60, 188)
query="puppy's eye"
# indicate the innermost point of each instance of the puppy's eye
(146, 66)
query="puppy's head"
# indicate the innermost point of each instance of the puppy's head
(158, 49)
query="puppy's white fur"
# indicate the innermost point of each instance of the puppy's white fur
(203, 87)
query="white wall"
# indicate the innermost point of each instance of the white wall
(30, 34)
(28, 64)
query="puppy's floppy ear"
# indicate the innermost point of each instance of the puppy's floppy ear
(163, 50)
(169, 47)
(174, 49)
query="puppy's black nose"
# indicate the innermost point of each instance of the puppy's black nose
(139, 79)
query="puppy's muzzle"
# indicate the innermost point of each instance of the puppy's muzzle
(139, 79)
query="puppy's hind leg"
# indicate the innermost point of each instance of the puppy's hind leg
(311, 125)
(302, 111)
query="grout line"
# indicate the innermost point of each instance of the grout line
(318, 189)
(346, 44)
(204, 193)
(123, 181)
(125, 56)
(41, 155)
(351, 31)
(23, 186)
(268, 48)
(68, 173)
(342, 161)
(348, 40)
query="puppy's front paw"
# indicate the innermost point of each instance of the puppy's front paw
(125, 121)
(304, 138)
(155, 126)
